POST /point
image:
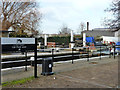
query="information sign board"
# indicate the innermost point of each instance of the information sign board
(17, 44)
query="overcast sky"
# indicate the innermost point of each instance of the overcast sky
(71, 13)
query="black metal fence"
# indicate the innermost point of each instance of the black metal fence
(72, 54)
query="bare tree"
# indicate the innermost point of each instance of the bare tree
(64, 30)
(81, 27)
(115, 9)
(19, 15)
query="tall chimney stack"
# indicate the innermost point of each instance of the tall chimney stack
(87, 26)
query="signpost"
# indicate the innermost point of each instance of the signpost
(21, 45)
(35, 61)
(17, 44)
(0, 61)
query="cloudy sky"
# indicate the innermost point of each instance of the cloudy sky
(72, 13)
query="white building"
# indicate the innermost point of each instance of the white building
(108, 39)
(108, 35)
(117, 33)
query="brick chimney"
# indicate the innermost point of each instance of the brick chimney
(87, 26)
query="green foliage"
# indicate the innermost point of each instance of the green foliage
(21, 81)
(57, 39)
(60, 40)
(78, 36)
(15, 34)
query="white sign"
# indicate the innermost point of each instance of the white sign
(17, 41)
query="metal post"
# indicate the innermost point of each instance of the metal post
(110, 52)
(80, 53)
(26, 60)
(0, 60)
(52, 56)
(100, 52)
(88, 54)
(72, 56)
(35, 59)
(114, 51)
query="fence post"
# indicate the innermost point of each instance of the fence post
(114, 51)
(80, 53)
(100, 52)
(52, 56)
(26, 60)
(72, 56)
(35, 59)
(88, 54)
(110, 52)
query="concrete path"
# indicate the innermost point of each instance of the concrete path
(19, 73)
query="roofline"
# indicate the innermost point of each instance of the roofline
(96, 30)
(7, 31)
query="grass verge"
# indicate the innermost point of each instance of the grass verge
(21, 81)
